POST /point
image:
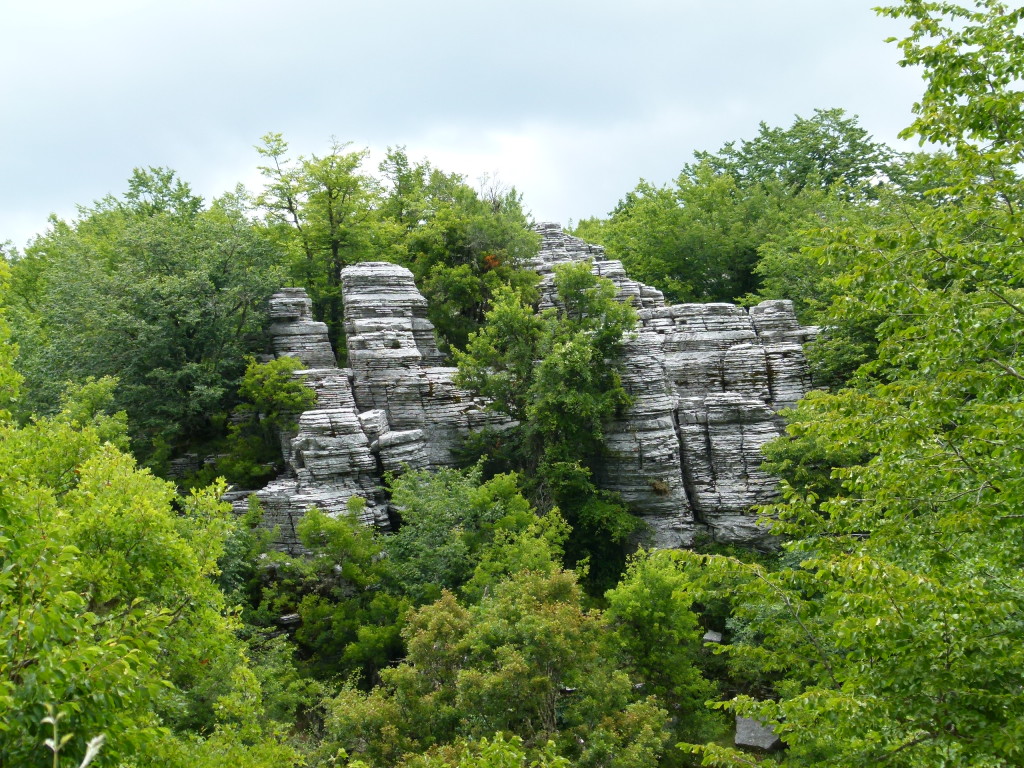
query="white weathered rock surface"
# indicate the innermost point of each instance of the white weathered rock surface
(707, 382)
(294, 332)
(397, 370)
(557, 247)
(328, 455)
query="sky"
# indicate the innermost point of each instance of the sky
(570, 102)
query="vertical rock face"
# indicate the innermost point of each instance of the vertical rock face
(556, 248)
(644, 463)
(397, 370)
(328, 457)
(294, 332)
(706, 382)
(395, 408)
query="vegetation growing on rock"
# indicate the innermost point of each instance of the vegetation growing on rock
(885, 630)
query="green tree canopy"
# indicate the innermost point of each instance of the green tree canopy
(449, 519)
(527, 660)
(328, 212)
(108, 612)
(322, 210)
(557, 372)
(826, 150)
(897, 636)
(462, 244)
(155, 289)
(699, 239)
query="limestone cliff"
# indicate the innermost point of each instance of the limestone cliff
(706, 380)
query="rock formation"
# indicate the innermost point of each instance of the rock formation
(706, 382)
(397, 370)
(329, 456)
(396, 407)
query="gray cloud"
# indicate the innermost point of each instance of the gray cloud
(570, 101)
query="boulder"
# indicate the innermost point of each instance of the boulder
(753, 734)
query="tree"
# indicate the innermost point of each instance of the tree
(566, 396)
(650, 613)
(449, 519)
(557, 373)
(699, 239)
(272, 399)
(348, 624)
(154, 289)
(829, 150)
(527, 660)
(812, 265)
(461, 244)
(325, 212)
(110, 620)
(501, 752)
(899, 630)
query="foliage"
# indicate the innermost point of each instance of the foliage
(887, 632)
(499, 360)
(322, 212)
(272, 390)
(896, 638)
(154, 289)
(537, 548)
(651, 615)
(328, 212)
(543, 366)
(699, 240)
(272, 399)
(527, 660)
(829, 150)
(815, 264)
(348, 625)
(557, 374)
(10, 379)
(461, 244)
(500, 752)
(107, 609)
(449, 520)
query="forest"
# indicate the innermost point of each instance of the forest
(509, 621)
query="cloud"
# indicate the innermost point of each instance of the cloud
(570, 101)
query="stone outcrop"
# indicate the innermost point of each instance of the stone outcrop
(397, 370)
(294, 332)
(559, 248)
(395, 408)
(328, 457)
(706, 382)
(753, 734)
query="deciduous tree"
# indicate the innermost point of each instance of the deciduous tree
(898, 634)
(155, 289)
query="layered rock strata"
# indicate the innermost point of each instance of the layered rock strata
(559, 248)
(294, 332)
(328, 456)
(706, 380)
(396, 370)
(395, 408)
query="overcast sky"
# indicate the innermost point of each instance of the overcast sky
(571, 102)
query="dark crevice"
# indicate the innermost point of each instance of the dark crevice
(686, 476)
